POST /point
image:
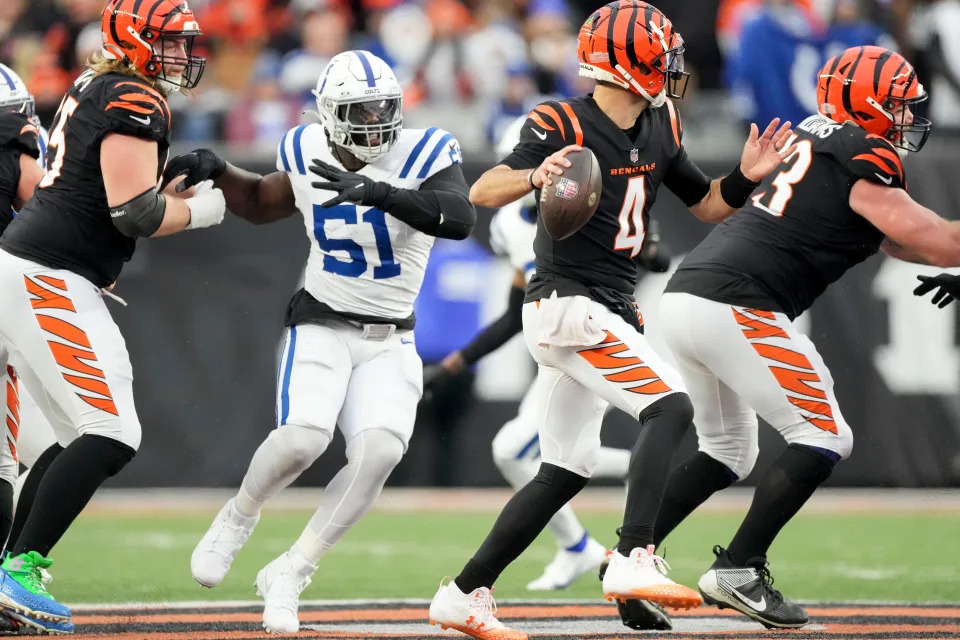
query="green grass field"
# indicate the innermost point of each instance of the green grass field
(909, 557)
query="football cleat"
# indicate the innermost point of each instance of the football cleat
(643, 576)
(22, 590)
(28, 624)
(567, 566)
(640, 615)
(215, 552)
(470, 613)
(280, 584)
(749, 590)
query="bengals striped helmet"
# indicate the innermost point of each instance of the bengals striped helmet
(875, 88)
(156, 37)
(631, 44)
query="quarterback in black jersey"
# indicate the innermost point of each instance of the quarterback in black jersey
(838, 197)
(68, 243)
(579, 320)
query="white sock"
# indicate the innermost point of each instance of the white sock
(371, 456)
(612, 463)
(282, 457)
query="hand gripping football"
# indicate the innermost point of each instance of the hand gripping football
(572, 199)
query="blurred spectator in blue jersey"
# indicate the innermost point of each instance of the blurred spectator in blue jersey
(518, 98)
(772, 71)
(851, 27)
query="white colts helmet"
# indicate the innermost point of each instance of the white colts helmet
(359, 102)
(13, 93)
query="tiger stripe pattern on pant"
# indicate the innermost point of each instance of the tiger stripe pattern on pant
(71, 349)
(802, 385)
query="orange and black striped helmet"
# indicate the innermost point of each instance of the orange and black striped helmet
(875, 88)
(633, 45)
(156, 37)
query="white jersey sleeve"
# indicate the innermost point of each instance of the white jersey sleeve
(363, 260)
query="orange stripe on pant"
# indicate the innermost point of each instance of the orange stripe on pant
(604, 357)
(45, 298)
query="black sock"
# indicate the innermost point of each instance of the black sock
(6, 511)
(519, 524)
(783, 490)
(662, 427)
(66, 488)
(29, 491)
(690, 484)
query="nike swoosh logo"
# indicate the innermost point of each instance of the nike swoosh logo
(756, 605)
(885, 180)
(542, 136)
(144, 121)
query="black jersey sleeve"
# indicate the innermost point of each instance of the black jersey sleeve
(18, 134)
(549, 127)
(685, 179)
(868, 156)
(132, 107)
(9, 181)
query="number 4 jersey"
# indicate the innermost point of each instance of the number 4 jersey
(798, 233)
(363, 262)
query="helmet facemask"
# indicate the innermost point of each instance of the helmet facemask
(190, 67)
(670, 63)
(366, 128)
(905, 136)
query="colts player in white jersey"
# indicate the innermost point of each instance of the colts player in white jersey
(373, 197)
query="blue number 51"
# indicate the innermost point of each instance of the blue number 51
(356, 265)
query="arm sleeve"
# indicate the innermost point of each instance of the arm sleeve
(542, 134)
(685, 179)
(18, 135)
(9, 180)
(870, 157)
(133, 108)
(440, 207)
(497, 333)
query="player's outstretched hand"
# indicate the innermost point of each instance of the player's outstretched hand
(350, 187)
(949, 288)
(762, 154)
(553, 165)
(197, 166)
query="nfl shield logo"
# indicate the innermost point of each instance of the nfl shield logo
(567, 189)
(634, 155)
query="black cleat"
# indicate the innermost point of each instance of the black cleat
(749, 590)
(640, 615)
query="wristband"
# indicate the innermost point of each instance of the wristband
(530, 178)
(736, 188)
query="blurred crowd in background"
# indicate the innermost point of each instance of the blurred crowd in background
(472, 66)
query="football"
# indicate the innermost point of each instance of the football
(567, 204)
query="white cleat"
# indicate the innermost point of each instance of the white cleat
(567, 566)
(470, 613)
(215, 552)
(280, 584)
(643, 576)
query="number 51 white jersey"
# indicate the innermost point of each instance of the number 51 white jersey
(363, 260)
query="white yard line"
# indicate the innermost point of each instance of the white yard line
(606, 500)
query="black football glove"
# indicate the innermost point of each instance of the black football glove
(949, 288)
(198, 165)
(654, 256)
(350, 187)
(433, 375)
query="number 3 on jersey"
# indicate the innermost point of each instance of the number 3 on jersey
(356, 266)
(631, 216)
(802, 156)
(57, 140)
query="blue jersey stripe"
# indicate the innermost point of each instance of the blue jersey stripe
(527, 447)
(43, 146)
(283, 152)
(287, 369)
(8, 78)
(441, 143)
(367, 69)
(297, 151)
(416, 152)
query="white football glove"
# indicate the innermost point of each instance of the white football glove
(207, 206)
